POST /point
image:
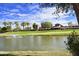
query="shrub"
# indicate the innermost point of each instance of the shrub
(46, 25)
(35, 26)
(73, 43)
(4, 29)
(9, 28)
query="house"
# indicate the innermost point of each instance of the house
(57, 26)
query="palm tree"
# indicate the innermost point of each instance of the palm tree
(27, 23)
(23, 24)
(64, 7)
(17, 24)
(35, 26)
(5, 24)
(10, 24)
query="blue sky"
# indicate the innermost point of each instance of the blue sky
(32, 13)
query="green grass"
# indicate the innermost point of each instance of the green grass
(46, 32)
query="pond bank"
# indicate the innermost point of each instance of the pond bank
(34, 53)
(48, 32)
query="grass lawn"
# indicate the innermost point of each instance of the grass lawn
(46, 32)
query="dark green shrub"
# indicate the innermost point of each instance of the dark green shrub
(4, 29)
(73, 43)
(9, 28)
(35, 26)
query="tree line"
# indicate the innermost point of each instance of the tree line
(25, 26)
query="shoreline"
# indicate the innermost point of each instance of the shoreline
(49, 32)
(35, 53)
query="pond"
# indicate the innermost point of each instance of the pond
(33, 43)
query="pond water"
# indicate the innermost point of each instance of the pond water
(33, 43)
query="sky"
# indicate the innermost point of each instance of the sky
(32, 13)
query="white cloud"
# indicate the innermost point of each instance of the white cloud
(12, 14)
(33, 7)
(22, 15)
(14, 10)
(44, 15)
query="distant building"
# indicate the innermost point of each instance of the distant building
(57, 26)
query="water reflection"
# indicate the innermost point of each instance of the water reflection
(49, 43)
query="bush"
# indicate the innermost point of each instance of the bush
(16, 29)
(73, 43)
(46, 25)
(9, 28)
(4, 29)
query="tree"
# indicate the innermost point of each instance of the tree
(64, 7)
(76, 8)
(23, 24)
(35, 26)
(70, 24)
(73, 43)
(46, 25)
(17, 24)
(27, 23)
(0, 29)
(9, 27)
(10, 24)
(4, 29)
(5, 24)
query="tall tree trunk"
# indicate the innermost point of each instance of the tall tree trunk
(76, 8)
